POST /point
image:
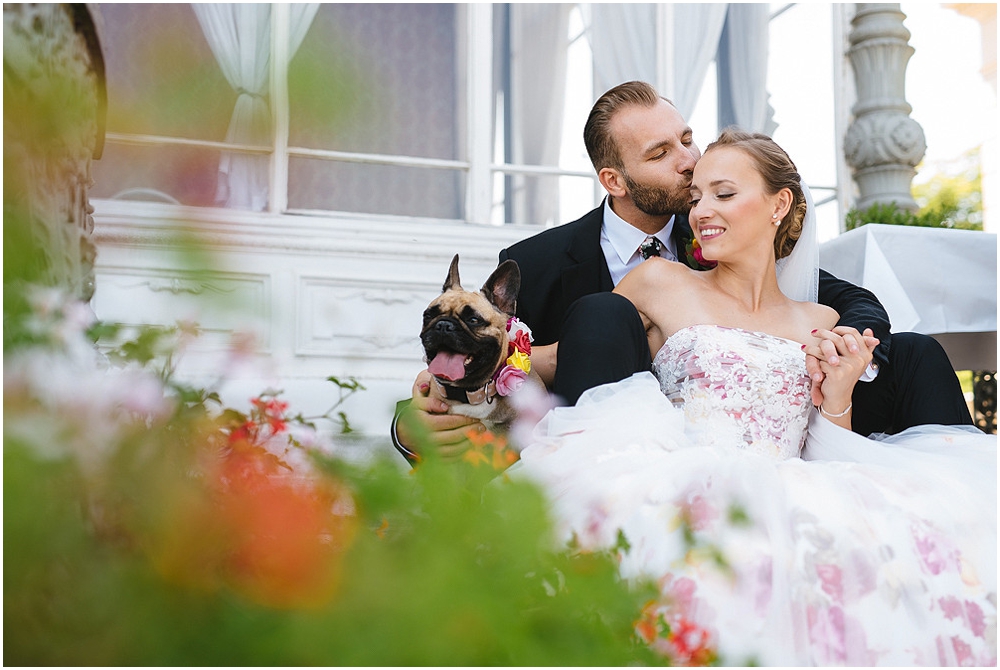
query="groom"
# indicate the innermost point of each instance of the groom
(644, 154)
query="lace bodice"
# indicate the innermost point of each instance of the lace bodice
(737, 387)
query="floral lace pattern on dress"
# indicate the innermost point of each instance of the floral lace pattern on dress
(737, 387)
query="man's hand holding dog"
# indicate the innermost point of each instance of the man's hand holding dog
(445, 432)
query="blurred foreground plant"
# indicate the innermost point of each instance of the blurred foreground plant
(145, 523)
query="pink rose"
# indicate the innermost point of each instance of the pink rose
(509, 379)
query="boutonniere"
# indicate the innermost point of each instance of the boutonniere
(694, 258)
(511, 376)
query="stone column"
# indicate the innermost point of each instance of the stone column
(883, 145)
(54, 108)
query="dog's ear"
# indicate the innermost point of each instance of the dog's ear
(502, 287)
(452, 281)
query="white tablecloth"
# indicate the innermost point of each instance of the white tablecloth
(931, 280)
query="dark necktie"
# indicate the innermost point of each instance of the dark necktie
(651, 247)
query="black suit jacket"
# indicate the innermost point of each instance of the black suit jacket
(565, 263)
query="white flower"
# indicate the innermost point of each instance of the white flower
(514, 326)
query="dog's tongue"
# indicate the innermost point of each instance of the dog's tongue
(447, 365)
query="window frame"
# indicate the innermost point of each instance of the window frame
(475, 53)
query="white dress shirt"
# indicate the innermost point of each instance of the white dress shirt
(620, 242)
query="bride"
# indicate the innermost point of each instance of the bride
(776, 535)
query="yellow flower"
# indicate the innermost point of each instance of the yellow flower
(520, 360)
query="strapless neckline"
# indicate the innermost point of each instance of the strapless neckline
(711, 326)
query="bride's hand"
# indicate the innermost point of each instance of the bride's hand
(840, 356)
(824, 348)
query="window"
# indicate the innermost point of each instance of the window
(440, 111)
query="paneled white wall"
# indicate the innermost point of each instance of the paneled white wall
(339, 296)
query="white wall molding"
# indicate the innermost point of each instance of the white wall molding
(325, 294)
(156, 225)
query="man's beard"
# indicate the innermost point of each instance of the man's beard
(657, 201)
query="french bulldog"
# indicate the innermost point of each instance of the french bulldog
(466, 341)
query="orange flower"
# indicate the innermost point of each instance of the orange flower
(285, 542)
(489, 449)
(650, 623)
(272, 412)
(484, 438)
(504, 458)
(475, 456)
(244, 523)
(690, 643)
(680, 640)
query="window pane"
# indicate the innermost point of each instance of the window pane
(162, 77)
(375, 189)
(183, 175)
(379, 78)
(535, 122)
(542, 200)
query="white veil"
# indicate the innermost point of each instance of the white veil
(798, 273)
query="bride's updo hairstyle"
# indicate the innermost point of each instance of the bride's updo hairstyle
(778, 172)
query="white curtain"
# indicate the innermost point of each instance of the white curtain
(539, 42)
(623, 42)
(696, 31)
(240, 38)
(747, 37)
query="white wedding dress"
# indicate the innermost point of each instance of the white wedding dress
(774, 547)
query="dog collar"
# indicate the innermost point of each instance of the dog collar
(477, 397)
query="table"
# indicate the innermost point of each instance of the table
(936, 281)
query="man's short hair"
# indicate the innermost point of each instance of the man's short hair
(601, 146)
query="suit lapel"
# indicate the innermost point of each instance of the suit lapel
(588, 272)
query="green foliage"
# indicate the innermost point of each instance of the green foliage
(118, 556)
(939, 216)
(468, 576)
(956, 193)
(438, 574)
(951, 199)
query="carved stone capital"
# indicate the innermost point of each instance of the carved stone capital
(883, 138)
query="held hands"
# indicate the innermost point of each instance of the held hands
(835, 360)
(446, 432)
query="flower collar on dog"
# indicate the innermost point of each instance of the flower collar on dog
(511, 376)
(508, 378)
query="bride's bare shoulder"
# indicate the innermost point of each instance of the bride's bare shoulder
(819, 315)
(655, 272)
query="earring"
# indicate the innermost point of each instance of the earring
(777, 221)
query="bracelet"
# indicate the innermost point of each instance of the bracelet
(837, 416)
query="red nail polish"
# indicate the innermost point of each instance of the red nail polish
(813, 331)
(803, 347)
